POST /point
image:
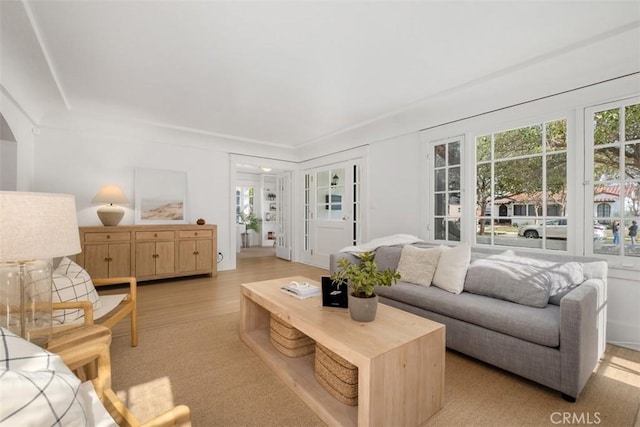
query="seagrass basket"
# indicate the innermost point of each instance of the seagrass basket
(336, 375)
(288, 340)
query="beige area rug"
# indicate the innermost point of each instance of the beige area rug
(205, 366)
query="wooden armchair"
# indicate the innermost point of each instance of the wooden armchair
(114, 308)
(88, 346)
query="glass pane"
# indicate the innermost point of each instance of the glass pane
(519, 176)
(518, 142)
(483, 187)
(454, 205)
(483, 148)
(441, 179)
(337, 177)
(556, 135)
(454, 178)
(440, 229)
(606, 164)
(632, 199)
(323, 179)
(556, 183)
(454, 230)
(440, 205)
(483, 231)
(632, 122)
(632, 161)
(439, 156)
(454, 153)
(606, 127)
(629, 237)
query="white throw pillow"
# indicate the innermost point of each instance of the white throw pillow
(72, 283)
(417, 265)
(452, 268)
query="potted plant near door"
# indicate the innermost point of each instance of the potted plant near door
(362, 277)
(251, 222)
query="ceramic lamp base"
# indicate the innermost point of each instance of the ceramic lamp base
(110, 215)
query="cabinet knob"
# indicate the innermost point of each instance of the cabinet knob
(106, 259)
(195, 234)
(155, 235)
(196, 252)
(108, 236)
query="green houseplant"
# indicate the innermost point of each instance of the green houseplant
(362, 277)
(251, 222)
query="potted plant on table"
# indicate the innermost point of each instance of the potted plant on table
(362, 277)
(251, 222)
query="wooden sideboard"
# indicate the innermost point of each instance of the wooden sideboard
(149, 252)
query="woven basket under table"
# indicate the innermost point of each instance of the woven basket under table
(288, 340)
(336, 375)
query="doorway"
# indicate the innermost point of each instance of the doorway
(262, 208)
(332, 198)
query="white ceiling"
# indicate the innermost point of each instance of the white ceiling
(285, 73)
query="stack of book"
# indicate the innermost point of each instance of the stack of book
(301, 290)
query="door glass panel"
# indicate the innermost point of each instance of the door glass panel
(446, 185)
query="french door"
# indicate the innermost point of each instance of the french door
(283, 224)
(332, 218)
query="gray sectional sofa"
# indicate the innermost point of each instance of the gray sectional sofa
(556, 343)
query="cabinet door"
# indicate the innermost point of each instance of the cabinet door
(96, 260)
(187, 255)
(165, 257)
(119, 260)
(145, 259)
(204, 258)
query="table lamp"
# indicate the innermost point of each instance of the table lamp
(110, 213)
(34, 229)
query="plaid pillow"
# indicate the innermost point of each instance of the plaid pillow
(40, 389)
(72, 283)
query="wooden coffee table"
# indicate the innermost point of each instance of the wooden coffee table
(400, 356)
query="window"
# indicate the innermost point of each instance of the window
(521, 186)
(244, 202)
(615, 190)
(447, 178)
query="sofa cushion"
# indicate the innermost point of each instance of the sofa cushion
(508, 278)
(538, 325)
(418, 265)
(452, 268)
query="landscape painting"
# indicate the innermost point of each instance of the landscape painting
(160, 196)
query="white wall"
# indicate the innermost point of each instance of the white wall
(8, 165)
(395, 168)
(80, 163)
(23, 128)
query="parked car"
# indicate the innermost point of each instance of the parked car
(557, 229)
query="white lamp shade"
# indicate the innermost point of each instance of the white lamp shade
(110, 194)
(37, 226)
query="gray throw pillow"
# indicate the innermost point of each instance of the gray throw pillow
(508, 280)
(524, 280)
(387, 257)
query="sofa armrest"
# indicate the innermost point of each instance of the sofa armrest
(334, 257)
(578, 336)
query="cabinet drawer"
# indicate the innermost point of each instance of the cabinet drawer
(107, 237)
(155, 235)
(187, 234)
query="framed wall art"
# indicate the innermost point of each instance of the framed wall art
(160, 196)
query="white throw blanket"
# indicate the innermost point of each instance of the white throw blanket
(394, 239)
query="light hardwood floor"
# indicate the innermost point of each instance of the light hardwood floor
(165, 302)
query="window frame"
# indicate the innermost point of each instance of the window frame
(590, 207)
